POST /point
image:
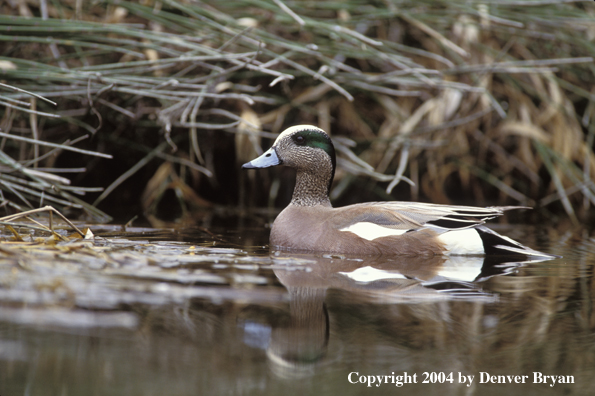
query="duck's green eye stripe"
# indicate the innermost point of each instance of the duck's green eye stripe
(313, 138)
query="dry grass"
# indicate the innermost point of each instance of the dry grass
(492, 100)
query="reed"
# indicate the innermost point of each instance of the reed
(494, 97)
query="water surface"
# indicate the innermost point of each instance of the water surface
(152, 312)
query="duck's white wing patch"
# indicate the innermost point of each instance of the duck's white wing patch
(466, 241)
(371, 231)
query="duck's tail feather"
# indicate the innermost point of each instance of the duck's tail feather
(495, 243)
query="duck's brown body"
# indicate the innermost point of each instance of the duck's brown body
(317, 228)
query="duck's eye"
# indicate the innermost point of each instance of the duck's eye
(300, 140)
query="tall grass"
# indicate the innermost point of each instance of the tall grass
(491, 98)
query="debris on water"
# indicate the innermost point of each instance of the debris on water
(85, 279)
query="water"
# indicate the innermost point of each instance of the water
(194, 313)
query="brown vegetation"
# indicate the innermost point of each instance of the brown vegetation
(484, 102)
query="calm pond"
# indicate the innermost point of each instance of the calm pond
(203, 313)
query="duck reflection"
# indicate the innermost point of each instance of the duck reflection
(297, 345)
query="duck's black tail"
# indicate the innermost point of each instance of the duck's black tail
(497, 244)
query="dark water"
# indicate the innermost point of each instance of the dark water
(217, 314)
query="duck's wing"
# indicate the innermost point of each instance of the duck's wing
(412, 216)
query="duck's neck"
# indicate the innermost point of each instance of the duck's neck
(312, 189)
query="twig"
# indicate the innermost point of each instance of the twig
(48, 208)
(433, 33)
(28, 93)
(400, 169)
(288, 10)
(60, 146)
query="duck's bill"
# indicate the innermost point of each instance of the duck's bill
(269, 158)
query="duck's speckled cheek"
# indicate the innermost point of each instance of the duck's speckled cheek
(269, 158)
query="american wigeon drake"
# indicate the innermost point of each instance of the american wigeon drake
(310, 223)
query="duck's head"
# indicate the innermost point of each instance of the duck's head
(306, 148)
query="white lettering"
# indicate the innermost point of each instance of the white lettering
(466, 379)
(539, 378)
(569, 379)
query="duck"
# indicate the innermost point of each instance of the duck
(310, 223)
